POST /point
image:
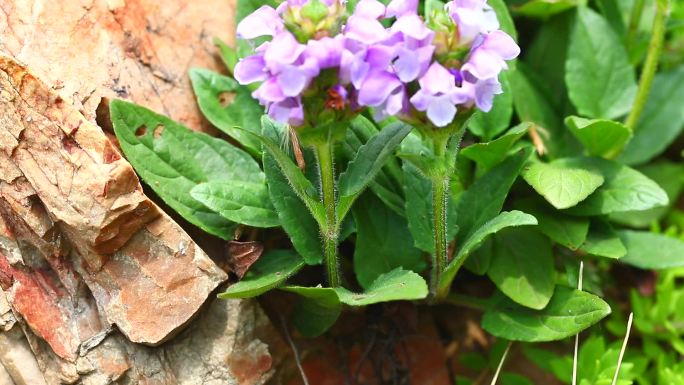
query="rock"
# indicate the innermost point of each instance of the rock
(139, 50)
(133, 258)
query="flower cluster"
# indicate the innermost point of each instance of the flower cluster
(409, 69)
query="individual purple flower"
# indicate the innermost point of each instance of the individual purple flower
(439, 95)
(489, 53)
(265, 21)
(472, 18)
(481, 92)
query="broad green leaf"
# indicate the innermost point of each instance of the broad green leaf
(599, 77)
(316, 311)
(662, 120)
(533, 103)
(368, 161)
(487, 125)
(300, 185)
(522, 267)
(228, 106)
(242, 202)
(603, 241)
(172, 160)
(625, 189)
(564, 182)
(504, 17)
(546, 58)
(652, 251)
(568, 313)
(544, 8)
(600, 137)
(293, 215)
(501, 221)
(566, 230)
(383, 241)
(396, 285)
(669, 176)
(487, 155)
(484, 199)
(267, 273)
(418, 192)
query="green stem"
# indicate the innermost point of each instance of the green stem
(440, 188)
(331, 230)
(655, 48)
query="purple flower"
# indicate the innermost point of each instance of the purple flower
(399, 8)
(473, 18)
(265, 21)
(438, 95)
(482, 92)
(489, 54)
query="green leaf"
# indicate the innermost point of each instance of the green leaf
(396, 285)
(603, 241)
(566, 230)
(293, 215)
(213, 92)
(544, 8)
(486, 155)
(246, 203)
(652, 251)
(625, 189)
(484, 199)
(487, 125)
(501, 221)
(600, 137)
(172, 160)
(662, 120)
(564, 182)
(568, 313)
(670, 177)
(297, 180)
(267, 273)
(600, 79)
(383, 241)
(418, 192)
(368, 161)
(522, 267)
(316, 311)
(387, 183)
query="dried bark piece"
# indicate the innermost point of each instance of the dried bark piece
(139, 50)
(145, 273)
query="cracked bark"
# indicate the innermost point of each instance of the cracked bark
(99, 285)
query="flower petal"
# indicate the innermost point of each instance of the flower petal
(251, 69)
(377, 87)
(364, 29)
(437, 79)
(441, 111)
(502, 44)
(265, 21)
(398, 8)
(372, 9)
(284, 49)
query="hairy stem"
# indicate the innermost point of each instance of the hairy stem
(331, 230)
(655, 48)
(440, 188)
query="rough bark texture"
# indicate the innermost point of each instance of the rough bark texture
(100, 286)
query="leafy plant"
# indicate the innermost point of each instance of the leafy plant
(395, 177)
